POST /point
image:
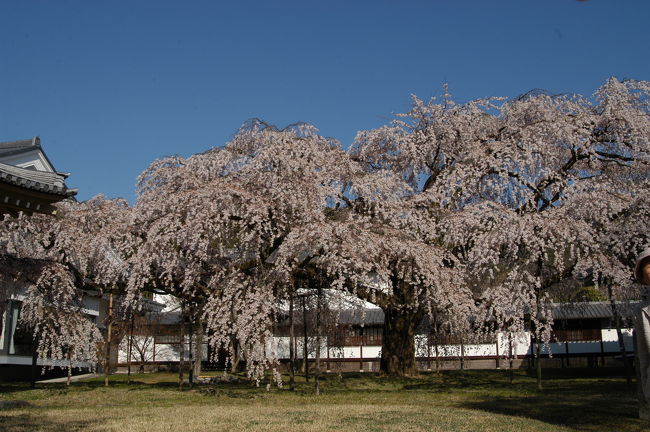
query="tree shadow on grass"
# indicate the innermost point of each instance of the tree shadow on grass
(32, 422)
(595, 411)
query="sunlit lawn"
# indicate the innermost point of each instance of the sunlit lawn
(572, 399)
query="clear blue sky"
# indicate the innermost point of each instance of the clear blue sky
(109, 86)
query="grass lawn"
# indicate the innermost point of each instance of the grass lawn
(572, 400)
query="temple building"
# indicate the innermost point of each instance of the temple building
(29, 183)
(28, 180)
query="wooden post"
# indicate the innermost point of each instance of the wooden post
(462, 354)
(510, 358)
(327, 341)
(566, 349)
(181, 354)
(305, 340)
(531, 357)
(361, 349)
(128, 354)
(109, 337)
(318, 340)
(539, 365)
(191, 351)
(292, 351)
(198, 355)
(32, 381)
(435, 347)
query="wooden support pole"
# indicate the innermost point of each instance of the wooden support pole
(181, 354)
(292, 348)
(128, 355)
(305, 340)
(109, 337)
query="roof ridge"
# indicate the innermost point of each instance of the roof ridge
(26, 143)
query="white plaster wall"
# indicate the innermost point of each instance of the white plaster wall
(520, 344)
(480, 350)
(371, 352)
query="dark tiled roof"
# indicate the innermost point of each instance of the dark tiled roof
(369, 317)
(47, 182)
(590, 310)
(11, 147)
(362, 316)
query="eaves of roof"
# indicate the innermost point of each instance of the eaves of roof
(46, 182)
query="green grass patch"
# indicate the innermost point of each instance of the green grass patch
(572, 400)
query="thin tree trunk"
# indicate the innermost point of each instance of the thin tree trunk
(292, 351)
(181, 354)
(69, 380)
(619, 333)
(109, 337)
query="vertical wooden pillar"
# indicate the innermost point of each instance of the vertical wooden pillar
(361, 349)
(566, 349)
(181, 354)
(109, 338)
(292, 351)
(305, 339)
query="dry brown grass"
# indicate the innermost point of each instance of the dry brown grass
(455, 401)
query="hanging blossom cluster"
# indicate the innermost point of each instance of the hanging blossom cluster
(468, 214)
(210, 223)
(526, 192)
(52, 257)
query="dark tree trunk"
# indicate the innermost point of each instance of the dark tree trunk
(235, 356)
(398, 342)
(69, 380)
